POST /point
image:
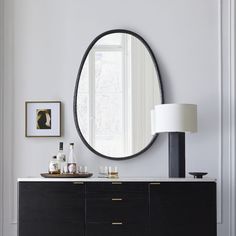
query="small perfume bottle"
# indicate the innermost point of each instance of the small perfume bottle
(61, 158)
(53, 166)
(71, 165)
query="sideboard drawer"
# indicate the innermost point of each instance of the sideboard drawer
(51, 228)
(132, 207)
(116, 229)
(113, 187)
(107, 202)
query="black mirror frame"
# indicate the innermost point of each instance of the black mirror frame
(77, 87)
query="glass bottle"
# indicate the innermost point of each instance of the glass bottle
(71, 165)
(61, 158)
(53, 166)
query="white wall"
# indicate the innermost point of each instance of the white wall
(44, 44)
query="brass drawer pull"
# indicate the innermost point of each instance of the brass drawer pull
(155, 183)
(117, 223)
(116, 183)
(78, 182)
(116, 199)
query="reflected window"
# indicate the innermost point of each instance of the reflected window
(103, 97)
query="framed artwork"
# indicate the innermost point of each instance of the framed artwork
(42, 119)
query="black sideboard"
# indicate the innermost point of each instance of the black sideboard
(117, 208)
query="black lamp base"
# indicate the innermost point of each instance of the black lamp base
(176, 154)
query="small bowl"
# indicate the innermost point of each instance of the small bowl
(198, 175)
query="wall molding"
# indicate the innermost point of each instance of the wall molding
(8, 114)
(1, 111)
(227, 62)
(222, 154)
(220, 82)
(232, 116)
(226, 80)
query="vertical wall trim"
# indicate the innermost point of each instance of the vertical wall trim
(232, 116)
(220, 83)
(228, 118)
(1, 111)
(8, 115)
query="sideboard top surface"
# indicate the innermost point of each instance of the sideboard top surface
(120, 179)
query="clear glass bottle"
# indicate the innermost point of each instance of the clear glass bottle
(61, 158)
(71, 165)
(53, 166)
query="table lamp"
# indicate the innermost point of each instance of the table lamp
(176, 120)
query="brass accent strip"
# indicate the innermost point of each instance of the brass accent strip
(117, 223)
(155, 183)
(116, 182)
(78, 182)
(116, 199)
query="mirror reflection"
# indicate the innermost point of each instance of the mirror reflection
(118, 86)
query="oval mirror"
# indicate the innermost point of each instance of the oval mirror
(118, 84)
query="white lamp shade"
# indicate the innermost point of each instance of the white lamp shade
(174, 118)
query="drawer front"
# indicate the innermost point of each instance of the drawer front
(132, 207)
(116, 229)
(51, 228)
(112, 187)
(106, 202)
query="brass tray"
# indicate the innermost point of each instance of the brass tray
(77, 175)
